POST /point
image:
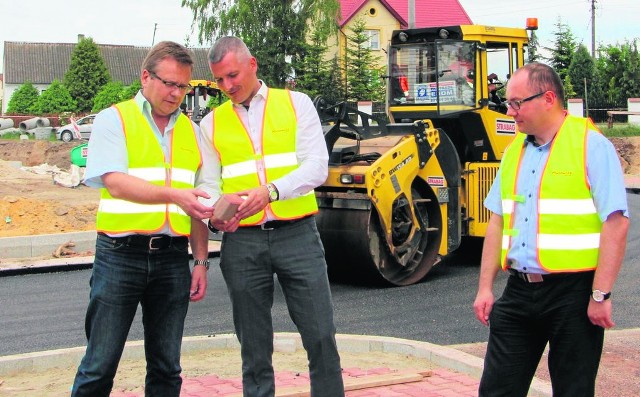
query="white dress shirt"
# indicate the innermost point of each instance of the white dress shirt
(311, 149)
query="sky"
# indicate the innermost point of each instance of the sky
(133, 22)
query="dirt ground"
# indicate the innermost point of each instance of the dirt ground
(31, 203)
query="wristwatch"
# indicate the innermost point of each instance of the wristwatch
(201, 262)
(273, 192)
(600, 296)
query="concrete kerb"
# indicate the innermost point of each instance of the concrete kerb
(45, 244)
(27, 254)
(442, 356)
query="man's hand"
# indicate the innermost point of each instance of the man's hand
(187, 199)
(230, 225)
(198, 283)
(483, 305)
(600, 313)
(254, 201)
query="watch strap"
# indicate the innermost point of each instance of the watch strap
(212, 228)
(201, 262)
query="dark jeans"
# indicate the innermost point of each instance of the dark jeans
(249, 259)
(524, 319)
(122, 278)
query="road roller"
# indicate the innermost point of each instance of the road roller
(406, 185)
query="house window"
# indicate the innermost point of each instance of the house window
(374, 39)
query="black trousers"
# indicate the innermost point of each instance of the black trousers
(524, 319)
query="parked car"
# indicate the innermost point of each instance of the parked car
(82, 126)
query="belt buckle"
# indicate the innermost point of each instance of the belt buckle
(264, 227)
(534, 277)
(151, 240)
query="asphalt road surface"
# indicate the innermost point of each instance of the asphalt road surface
(46, 311)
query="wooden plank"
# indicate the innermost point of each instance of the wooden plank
(626, 112)
(365, 382)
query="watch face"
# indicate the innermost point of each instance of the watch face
(597, 295)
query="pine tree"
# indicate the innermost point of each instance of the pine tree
(563, 49)
(581, 68)
(363, 76)
(87, 74)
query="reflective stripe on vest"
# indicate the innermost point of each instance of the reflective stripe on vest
(568, 225)
(240, 160)
(146, 161)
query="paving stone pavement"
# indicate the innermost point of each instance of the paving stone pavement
(440, 383)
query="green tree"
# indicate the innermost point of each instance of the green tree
(597, 90)
(581, 68)
(629, 87)
(611, 67)
(87, 74)
(569, 91)
(23, 99)
(563, 49)
(130, 91)
(313, 71)
(533, 48)
(274, 31)
(113, 92)
(363, 76)
(55, 99)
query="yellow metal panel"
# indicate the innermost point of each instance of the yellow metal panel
(479, 178)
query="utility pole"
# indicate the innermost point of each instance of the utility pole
(153, 41)
(593, 29)
(412, 14)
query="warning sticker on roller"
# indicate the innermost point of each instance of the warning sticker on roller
(435, 180)
(505, 127)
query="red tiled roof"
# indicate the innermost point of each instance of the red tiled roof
(429, 13)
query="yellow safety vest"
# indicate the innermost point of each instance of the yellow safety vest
(146, 161)
(568, 225)
(240, 160)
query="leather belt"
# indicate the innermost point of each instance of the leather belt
(537, 278)
(152, 242)
(272, 225)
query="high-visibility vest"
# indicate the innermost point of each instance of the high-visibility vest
(146, 161)
(239, 159)
(568, 225)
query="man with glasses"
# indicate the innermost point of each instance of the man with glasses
(558, 226)
(144, 156)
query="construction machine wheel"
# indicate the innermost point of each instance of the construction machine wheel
(357, 250)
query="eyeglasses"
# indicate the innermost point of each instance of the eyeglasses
(515, 105)
(171, 84)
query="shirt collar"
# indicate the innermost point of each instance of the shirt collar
(261, 94)
(145, 106)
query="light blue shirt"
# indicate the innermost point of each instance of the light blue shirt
(108, 147)
(607, 188)
(107, 150)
